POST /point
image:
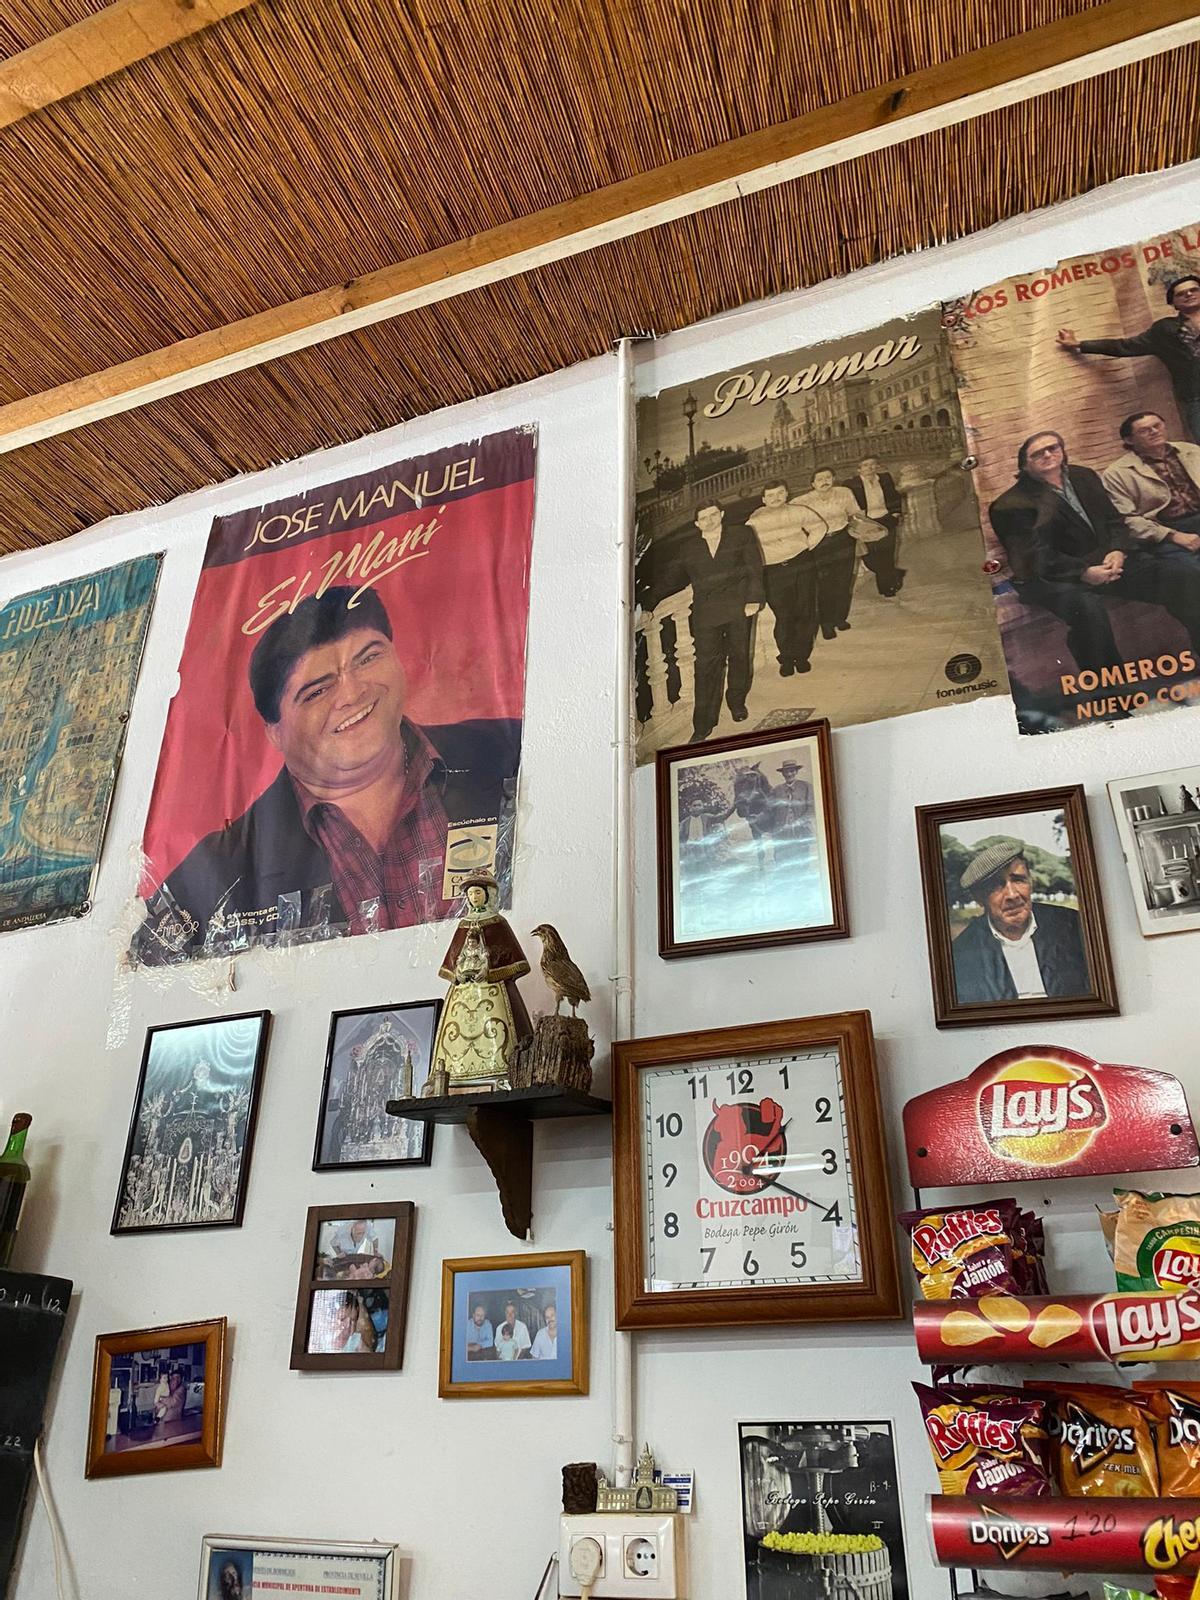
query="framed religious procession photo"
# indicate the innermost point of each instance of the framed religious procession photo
(1013, 913)
(233, 1566)
(157, 1400)
(375, 1054)
(750, 1177)
(748, 846)
(514, 1326)
(1158, 820)
(188, 1152)
(352, 1303)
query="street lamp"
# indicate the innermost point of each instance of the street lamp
(690, 407)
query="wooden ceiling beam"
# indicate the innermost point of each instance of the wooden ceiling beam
(100, 46)
(1070, 50)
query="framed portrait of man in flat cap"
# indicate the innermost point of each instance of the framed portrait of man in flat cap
(1013, 912)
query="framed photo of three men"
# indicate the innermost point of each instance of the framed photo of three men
(1013, 912)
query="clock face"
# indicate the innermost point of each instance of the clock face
(746, 1174)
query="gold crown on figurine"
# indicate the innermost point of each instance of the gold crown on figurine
(643, 1494)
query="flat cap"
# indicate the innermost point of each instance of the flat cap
(989, 860)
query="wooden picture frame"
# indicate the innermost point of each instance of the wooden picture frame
(354, 1287)
(1072, 950)
(866, 1282)
(137, 1398)
(771, 876)
(186, 1141)
(537, 1286)
(399, 1131)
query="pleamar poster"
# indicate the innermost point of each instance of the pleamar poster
(69, 661)
(345, 741)
(807, 543)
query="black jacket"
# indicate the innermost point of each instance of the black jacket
(1044, 537)
(725, 584)
(892, 498)
(247, 871)
(981, 973)
(1161, 339)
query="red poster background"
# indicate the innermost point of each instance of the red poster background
(458, 612)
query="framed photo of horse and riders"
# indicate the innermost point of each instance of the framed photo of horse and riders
(749, 852)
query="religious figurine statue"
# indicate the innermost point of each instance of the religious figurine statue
(484, 1017)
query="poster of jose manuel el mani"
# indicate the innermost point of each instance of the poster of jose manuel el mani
(345, 740)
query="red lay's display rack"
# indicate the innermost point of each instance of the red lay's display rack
(1046, 1112)
(1041, 1111)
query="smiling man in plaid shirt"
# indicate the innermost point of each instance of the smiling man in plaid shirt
(352, 832)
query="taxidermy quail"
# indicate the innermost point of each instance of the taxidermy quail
(562, 976)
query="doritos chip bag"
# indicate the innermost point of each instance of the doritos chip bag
(1157, 1243)
(963, 1253)
(1102, 1440)
(1176, 1411)
(987, 1441)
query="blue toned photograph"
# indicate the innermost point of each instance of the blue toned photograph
(189, 1145)
(375, 1054)
(514, 1323)
(230, 1574)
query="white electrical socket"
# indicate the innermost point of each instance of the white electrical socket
(644, 1554)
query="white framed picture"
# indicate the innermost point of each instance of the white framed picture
(235, 1567)
(1158, 820)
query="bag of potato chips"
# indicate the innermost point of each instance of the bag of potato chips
(964, 1252)
(1175, 1408)
(1102, 1440)
(1157, 1242)
(987, 1440)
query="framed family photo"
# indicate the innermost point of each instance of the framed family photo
(1013, 912)
(375, 1054)
(514, 1325)
(192, 1131)
(352, 1302)
(157, 1400)
(1158, 820)
(235, 1567)
(748, 847)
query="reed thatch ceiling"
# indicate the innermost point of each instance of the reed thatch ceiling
(303, 142)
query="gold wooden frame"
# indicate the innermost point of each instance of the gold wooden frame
(204, 1452)
(576, 1263)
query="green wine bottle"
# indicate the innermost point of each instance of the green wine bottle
(14, 1176)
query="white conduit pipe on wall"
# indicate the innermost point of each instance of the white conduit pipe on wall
(622, 1358)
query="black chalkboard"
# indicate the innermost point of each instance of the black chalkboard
(32, 1312)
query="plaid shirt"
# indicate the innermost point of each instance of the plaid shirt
(401, 884)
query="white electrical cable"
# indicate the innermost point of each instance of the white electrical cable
(52, 1519)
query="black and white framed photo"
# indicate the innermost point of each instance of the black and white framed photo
(821, 1510)
(1158, 819)
(236, 1568)
(748, 847)
(375, 1054)
(190, 1138)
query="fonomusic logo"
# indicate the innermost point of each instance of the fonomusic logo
(1041, 1112)
(745, 1145)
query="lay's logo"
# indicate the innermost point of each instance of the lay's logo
(1177, 1265)
(1041, 1112)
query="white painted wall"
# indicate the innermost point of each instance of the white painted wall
(469, 1489)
